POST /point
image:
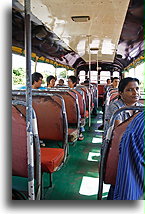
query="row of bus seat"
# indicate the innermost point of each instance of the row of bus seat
(59, 114)
(51, 158)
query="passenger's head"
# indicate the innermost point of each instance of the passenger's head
(50, 81)
(36, 80)
(129, 90)
(108, 81)
(72, 81)
(115, 82)
(61, 82)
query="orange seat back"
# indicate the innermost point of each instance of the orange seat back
(81, 103)
(19, 144)
(113, 152)
(100, 90)
(70, 104)
(50, 118)
(114, 96)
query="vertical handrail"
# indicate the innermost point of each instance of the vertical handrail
(97, 78)
(89, 81)
(37, 155)
(30, 148)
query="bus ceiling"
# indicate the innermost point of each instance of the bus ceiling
(67, 31)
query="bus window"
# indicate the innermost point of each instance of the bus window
(104, 75)
(94, 76)
(137, 72)
(116, 74)
(82, 76)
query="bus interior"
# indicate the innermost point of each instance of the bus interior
(93, 41)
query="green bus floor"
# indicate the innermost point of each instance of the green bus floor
(78, 178)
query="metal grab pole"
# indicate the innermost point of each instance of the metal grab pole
(97, 79)
(30, 148)
(55, 72)
(89, 81)
(36, 60)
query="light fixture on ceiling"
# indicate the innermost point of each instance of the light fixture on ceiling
(80, 18)
(94, 49)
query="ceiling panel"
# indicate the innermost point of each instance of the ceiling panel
(102, 31)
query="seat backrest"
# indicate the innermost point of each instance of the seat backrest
(19, 145)
(112, 90)
(91, 91)
(82, 103)
(114, 96)
(111, 95)
(86, 94)
(71, 105)
(100, 89)
(50, 117)
(113, 152)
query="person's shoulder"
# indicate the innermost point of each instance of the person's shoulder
(42, 87)
(118, 103)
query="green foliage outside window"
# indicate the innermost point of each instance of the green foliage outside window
(19, 76)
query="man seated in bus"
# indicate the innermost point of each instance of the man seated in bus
(36, 81)
(108, 85)
(50, 81)
(112, 88)
(130, 173)
(115, 83)
(72, 82)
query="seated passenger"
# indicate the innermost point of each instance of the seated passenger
(130, 174)
(50, 81)
(72, 82)
(60, 83)
(36, 81)
(108, 85)
(114, 85)
(129, 96)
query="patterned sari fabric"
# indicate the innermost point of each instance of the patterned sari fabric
(130, 173)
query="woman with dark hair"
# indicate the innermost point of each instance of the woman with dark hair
(72, 81)
(50, 81)
(128, 96)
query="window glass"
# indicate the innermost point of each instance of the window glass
(94, 76)
(104, 75)
(82, 76)
(115, 74)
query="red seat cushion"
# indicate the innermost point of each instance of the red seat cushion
(51, 159)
